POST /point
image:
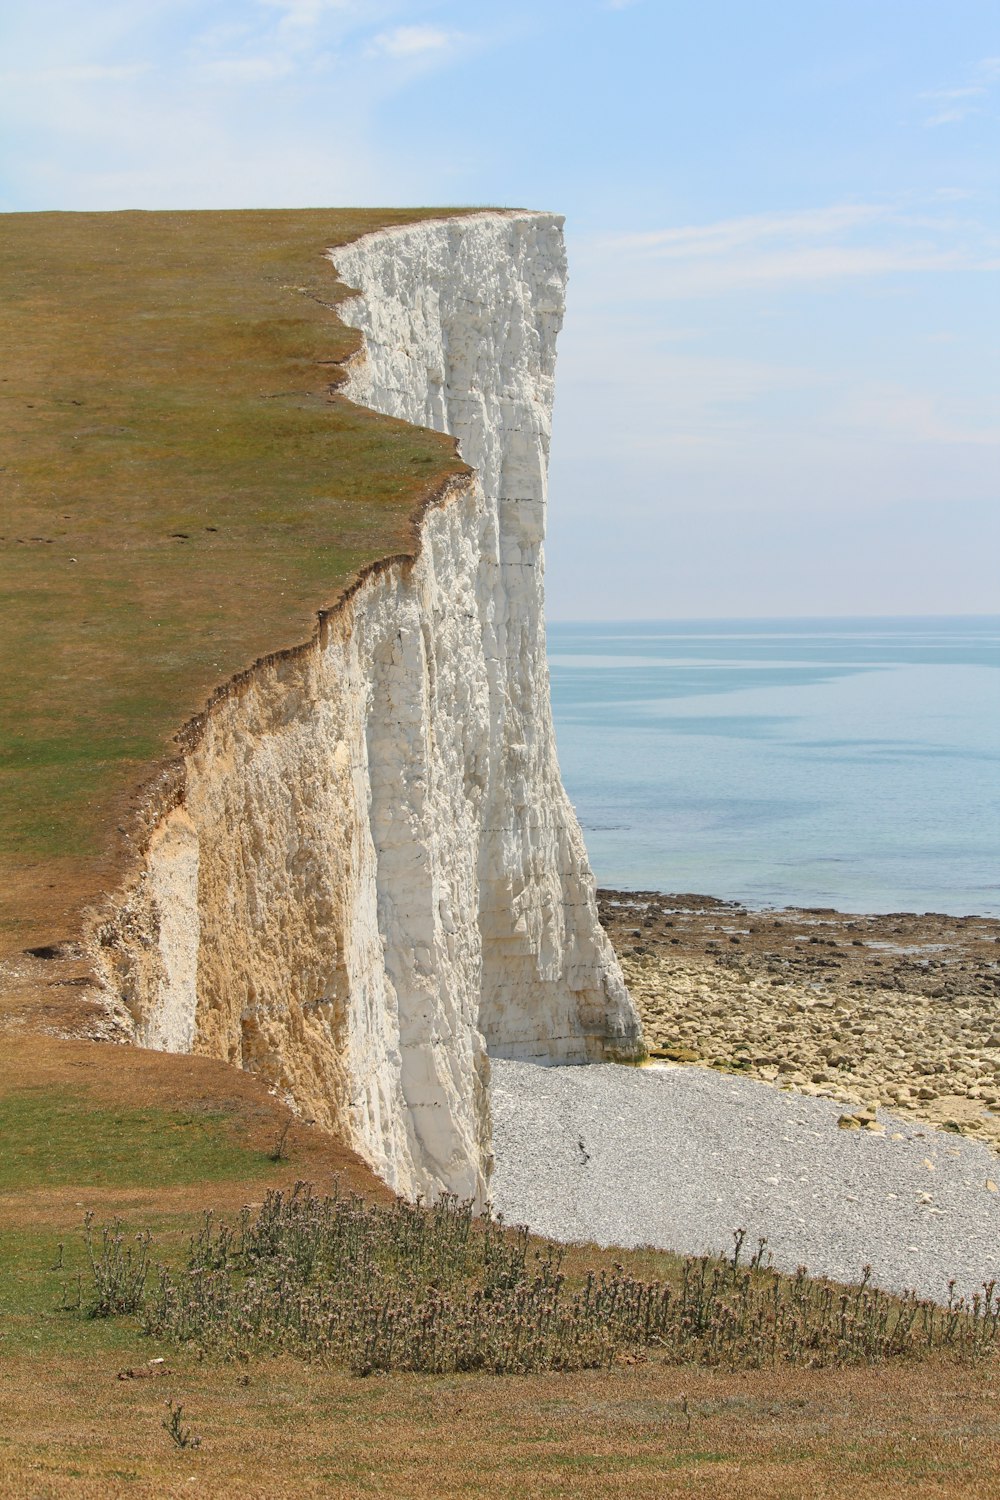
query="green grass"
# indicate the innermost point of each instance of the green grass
(181, 492)
(33, 1317)
(50, 1137)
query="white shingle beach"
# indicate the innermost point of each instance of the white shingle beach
(679, 1157)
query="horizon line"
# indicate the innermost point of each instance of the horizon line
(761, 619)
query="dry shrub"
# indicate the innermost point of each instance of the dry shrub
(437, 1289)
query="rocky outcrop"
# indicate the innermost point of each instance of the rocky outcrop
(370, 877)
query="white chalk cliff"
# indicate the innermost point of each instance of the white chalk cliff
(369, 877)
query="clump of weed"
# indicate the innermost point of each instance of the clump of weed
(437, 1289)
(749, 1315)
(119, 1270)
(173, 1426)
(279, 1151)
(410, 1287)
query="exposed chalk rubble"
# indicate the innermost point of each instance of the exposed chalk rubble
(370, 877)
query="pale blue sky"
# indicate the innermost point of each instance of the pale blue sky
(779, 380)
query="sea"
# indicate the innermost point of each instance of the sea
(846, 763)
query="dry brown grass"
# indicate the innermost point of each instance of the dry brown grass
(72, 1428)
(281, 1428)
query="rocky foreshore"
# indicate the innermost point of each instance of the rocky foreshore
(900, 1011)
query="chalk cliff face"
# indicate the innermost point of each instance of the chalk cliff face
(371, 877)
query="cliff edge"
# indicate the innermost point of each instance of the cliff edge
(369, 877)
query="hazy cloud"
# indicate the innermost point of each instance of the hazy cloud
(248, 69)
(413, 41)
(209, 119)
(955, 104)
(731, 234)
(76, 73)
(272, 39)
(895, 412)
(303, 14)
(842, 240)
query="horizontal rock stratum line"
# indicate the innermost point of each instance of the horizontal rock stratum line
(371, 877)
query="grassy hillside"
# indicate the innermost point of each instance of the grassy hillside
(156, 1139)
(181, 491)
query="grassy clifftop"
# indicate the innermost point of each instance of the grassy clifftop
(182, 489)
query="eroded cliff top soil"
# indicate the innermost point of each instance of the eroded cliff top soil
(901, 1011)
(181, 490)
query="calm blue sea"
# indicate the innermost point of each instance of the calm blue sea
(844, 763)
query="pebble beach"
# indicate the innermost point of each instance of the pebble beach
(830, 1083)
